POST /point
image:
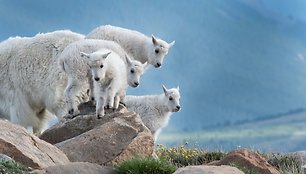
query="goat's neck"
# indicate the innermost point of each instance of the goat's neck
(161, 100)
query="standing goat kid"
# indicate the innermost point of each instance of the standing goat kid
(155, 110)
(112, 81)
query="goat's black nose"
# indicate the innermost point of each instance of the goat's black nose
(136, 83)
(178, 107)
(97, 78)
(158, 64)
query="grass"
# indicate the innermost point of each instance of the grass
(287, 164)
(181, 156)
(145, 166)
(12, 167)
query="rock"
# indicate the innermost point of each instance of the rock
(4, 157)
(208, 170)
(70, 128)
(249, 159)
(116, 137)
(28, 149)
(76, 167)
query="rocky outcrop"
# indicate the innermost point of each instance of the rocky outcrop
(28, 149)
(208, 170)
(249, 159)
(116, 137)
(76, 167)
(69, 128)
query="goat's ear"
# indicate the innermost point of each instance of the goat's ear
(171, 44)
(165, 90)
(84, 54)
(105, 55)
(145, 64)
(178, 88)
(128, 60)
(154, 41)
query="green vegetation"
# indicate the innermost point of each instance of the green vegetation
(287, 164)
(12, 167)
(181, 156)
(145, 166)
(172, 158)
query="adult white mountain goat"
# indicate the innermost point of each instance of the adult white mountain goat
(31, 83)
(136, 44)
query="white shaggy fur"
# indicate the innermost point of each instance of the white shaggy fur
(155, 110)
(114, 77)
(78, 69)
(138, 45)
(31, 82)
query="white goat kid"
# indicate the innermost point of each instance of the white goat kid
(112, 81)
(80, 72)
(136, 44)
(155, 110)
(77, 67)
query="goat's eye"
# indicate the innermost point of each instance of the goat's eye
(170, 98)
(101, 66)
(132, 71)
(156, 51)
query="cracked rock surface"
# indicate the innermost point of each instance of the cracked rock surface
(116, 137)
(28, 149)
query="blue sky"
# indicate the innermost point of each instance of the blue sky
(229, 58)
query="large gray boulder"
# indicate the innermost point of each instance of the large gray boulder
(118, 136)
(75, 168)
(208, 170)
(28, 149)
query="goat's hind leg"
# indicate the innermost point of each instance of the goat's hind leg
(70, 93)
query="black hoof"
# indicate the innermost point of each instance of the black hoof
(70, 111)
(122, 104)
(99, 116)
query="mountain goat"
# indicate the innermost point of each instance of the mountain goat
(155, 110)
(112, 81)
(81, 58)
(138, 45)
(32, 85)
